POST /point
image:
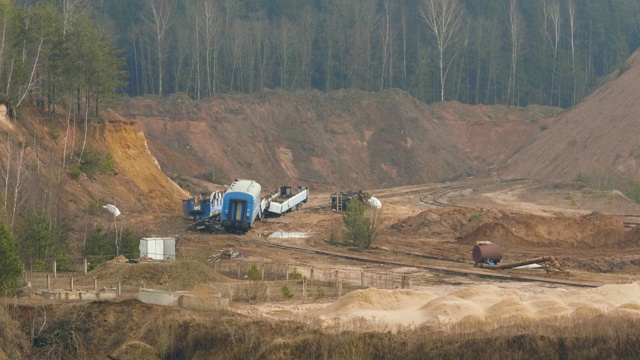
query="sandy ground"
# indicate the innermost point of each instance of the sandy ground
(451, 302)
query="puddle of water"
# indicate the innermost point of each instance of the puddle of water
(288, 234)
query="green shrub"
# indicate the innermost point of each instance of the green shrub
(254, 273)
(295, 274)
(361, 223)
(75, 172)
(286, 292)
(475, 216)
(93, 162)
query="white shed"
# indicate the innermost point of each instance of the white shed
(158, 248)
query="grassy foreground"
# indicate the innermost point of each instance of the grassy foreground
(99, 329)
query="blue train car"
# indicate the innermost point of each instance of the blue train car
(202, 207)
(241, 205)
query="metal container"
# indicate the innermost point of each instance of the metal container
(484, 252)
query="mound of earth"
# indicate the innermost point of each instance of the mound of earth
(467, 225)
(135, 350)
(597, 137)
(479, 305)
(590, 231)
(178, 275)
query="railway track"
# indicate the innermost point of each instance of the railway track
(435, 195)
(475, 273)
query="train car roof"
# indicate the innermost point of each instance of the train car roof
(248, 186)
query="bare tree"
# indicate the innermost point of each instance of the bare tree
(211, 26)
(158, 22)
(307, 25)
(32, 82)
(572, 15)
(3, 39)
(516, 29)
(6, 173)
(386, 40)
(404, 48)
(17, 201)
(69, 9)
(444, 19)
(552, 19)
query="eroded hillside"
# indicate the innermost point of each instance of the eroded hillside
(344, 138)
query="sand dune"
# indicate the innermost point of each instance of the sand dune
(484, 304)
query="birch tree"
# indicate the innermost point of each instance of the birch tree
(6, 173)
(211, 26)
(69, 9)
(17, 199)
(158, 23)
(515, 28)
(572, 15)
(386, 41)
(551, 9)
(444, 19)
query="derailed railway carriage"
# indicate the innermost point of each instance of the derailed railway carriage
(241, 205)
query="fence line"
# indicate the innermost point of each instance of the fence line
(253, 280)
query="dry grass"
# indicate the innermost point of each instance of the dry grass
(90, 330)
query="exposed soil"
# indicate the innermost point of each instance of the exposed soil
(388, 144)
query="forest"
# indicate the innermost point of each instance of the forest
(513, 52)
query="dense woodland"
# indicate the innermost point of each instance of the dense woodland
(518, 52)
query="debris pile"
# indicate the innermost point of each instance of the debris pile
(226, 254)
(211, 224)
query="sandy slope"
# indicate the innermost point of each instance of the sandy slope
(485, 304)
(598, 136)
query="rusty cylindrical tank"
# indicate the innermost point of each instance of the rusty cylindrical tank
(483, 252)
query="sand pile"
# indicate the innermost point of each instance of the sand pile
(479, 304)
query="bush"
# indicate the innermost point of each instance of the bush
(254, 273)
(10, 267)
(474, 216)
(75, 172)
(92, 162)
(295, 274)
(286, 292)
(361, 222)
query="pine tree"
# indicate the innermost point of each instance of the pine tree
(10, 268)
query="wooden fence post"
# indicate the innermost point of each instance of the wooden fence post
(304, 288)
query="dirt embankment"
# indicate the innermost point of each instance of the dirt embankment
(144, 179)
(598, 136)
(344, 138)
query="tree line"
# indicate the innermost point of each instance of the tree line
(516, 52)
(53, 52)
